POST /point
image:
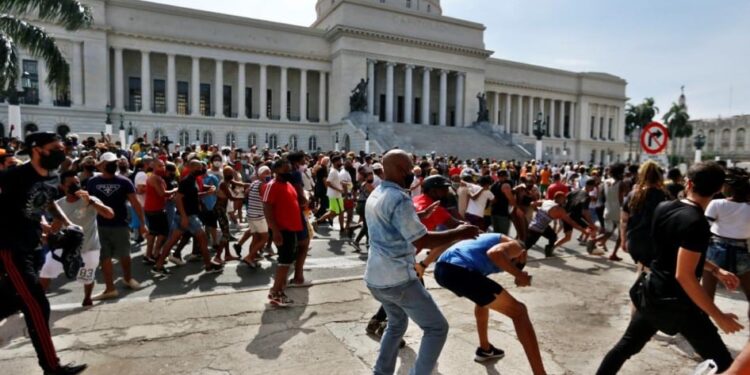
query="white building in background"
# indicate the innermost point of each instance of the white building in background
(190, 74)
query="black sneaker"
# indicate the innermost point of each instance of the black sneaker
(372, 327)
(160, 272)
(69, 369)
(549, 251)
(493, 353)
(237, 249)
(214, 268)
(148, 260)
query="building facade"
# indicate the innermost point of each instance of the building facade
(726, 138)
(214, 78)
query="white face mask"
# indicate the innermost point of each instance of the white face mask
(217, 164)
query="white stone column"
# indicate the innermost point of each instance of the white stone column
(303, 95)
(171, 85)
(495, 118)
(283, 88)
(409, 95)
(119, 82)
(530, 129)
(389, 91)
(443, 106)
(76, 76)
(195, 84)
(507, 112)
(322, 102)
(241, 108)
(45, 92)
(262, 95)
(426, 95)
(572, 120)
(561, 119)
(552, 119)
(519, 115)
(219, 88)
(460, 76)
(371, 86)
(146, 82)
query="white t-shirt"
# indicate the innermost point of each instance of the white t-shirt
(416, 187)
(345, 179)
(335, 180)
(84, 216)
(729, 219)
(141, 179)
(476, 206)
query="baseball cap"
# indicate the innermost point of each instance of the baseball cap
(377, 166)
(38, 139)
(434, 182)
(467, 172)
(107, 157)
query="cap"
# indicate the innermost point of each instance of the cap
(38, 139)
(264, 169)
(377, 166)
(467, 172)
(434, 182)
(107, 157)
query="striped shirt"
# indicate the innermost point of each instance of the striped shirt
(254, 203)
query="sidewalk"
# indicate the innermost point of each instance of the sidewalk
(579, 306)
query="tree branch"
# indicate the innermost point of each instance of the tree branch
(39, 44)
(71, 14)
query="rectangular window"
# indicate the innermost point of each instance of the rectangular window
(610, 131)
(307, 106)
(566, 131)
(160, 96)
(593, 127)
(227, 110)
(249, 102)
(183, 97)
(289, 105)
(134, 94)
(601, 128)
(269, 104)
(30, 86)
(205, 99)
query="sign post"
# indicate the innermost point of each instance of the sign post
(654, 138)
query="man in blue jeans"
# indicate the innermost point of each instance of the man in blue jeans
(395, 234)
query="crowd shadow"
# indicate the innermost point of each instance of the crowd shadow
(14, 327)
(279, 325)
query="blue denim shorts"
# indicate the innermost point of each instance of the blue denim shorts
(195, 225)
(729, 255)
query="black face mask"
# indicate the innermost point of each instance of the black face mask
(110, 168)
(89, 168)
(73, 189)
(408, 180)
(52, 160)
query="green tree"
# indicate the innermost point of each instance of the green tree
(677, 122)
(16, 32)
(638, 116)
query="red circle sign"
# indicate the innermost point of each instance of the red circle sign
(654, 138)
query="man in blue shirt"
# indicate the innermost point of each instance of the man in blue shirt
(395, 234)
(463, 269)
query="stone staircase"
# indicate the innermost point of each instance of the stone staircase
(478, 141)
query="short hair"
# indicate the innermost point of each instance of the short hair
(502, 173)
(279, 164)
(707, 178)
(617, 171)
(67, 174)
(590, 182)
(335, 158)
(296, 157)
(674, 174)
(485, 180)
(556, 177)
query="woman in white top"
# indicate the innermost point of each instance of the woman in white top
(730, 229)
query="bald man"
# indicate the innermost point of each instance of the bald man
(395, 234)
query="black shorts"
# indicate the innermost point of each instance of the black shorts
(209, 219)
(157, 222)
(288, 249)
(467, 283)
(578, 219)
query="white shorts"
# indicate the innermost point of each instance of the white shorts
(52, 268)
(257, 226)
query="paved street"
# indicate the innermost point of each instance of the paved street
(578, 304)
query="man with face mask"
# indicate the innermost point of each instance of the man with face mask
(26, 192)
(335, 193)
(114, 234)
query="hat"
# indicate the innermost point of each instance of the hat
(434, 182)
(107, 157)
(38, 139)
(264, 169)
(468, 172)
(377, 166)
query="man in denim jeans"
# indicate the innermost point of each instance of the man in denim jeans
(395, 234)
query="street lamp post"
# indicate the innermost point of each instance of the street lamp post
(699, 142)
(539, 126)
(337, 142)
(122, 131)
(367, 140)
(266, 141)
(131, 136)
(108, 121)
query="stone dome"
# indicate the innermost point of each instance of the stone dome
(424, 6)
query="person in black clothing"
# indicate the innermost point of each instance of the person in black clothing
(680, 234)
(674, 186)
(501, 204)
(26, 193)
(637, 211)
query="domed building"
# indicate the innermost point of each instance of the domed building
(423, 77)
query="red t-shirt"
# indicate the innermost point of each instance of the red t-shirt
(554, 188)
(455, 171)
(439, 216)
(283, 198)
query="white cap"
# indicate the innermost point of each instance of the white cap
(264, 169)
(107, 157)
(377, 166)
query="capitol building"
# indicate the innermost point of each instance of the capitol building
(197, 76)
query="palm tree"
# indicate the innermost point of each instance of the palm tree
(677, 122)
(638, 116)
(16, 33)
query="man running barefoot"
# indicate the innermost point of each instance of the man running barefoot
(463, 269)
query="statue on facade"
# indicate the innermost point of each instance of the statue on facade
(484, 114)
(358, 99)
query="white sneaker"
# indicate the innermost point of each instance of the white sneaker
(105, 295)
(175, 260)
(598, 252)
(706, 368)
(132, 284)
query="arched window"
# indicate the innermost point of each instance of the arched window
(726, 137)
(183, 138)
(252, 140)
(312, 143)
(231, 139)
(158, 135)
(30, 128)
(208, 138)
(739, 142)
(347, 143)
(273, 142)
(62, 130)
(293, 142)
(710, 140)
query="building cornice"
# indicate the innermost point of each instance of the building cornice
(340, 31)
(545, 69)
(554, 89)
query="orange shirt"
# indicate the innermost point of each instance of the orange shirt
(545, 175)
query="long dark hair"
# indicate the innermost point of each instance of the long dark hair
(737, 185)
(649, 177)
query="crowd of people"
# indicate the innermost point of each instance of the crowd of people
(472, 217)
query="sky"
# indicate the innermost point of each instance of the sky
(656, 45)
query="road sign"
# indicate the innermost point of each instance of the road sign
(654, 138)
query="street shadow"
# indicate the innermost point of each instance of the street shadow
(489, 366)
(279, 325)
(408, 356)
(15, 326)
(337, 247)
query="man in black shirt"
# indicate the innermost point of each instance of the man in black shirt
(681, 235)
(26, 193)
(502, 203)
